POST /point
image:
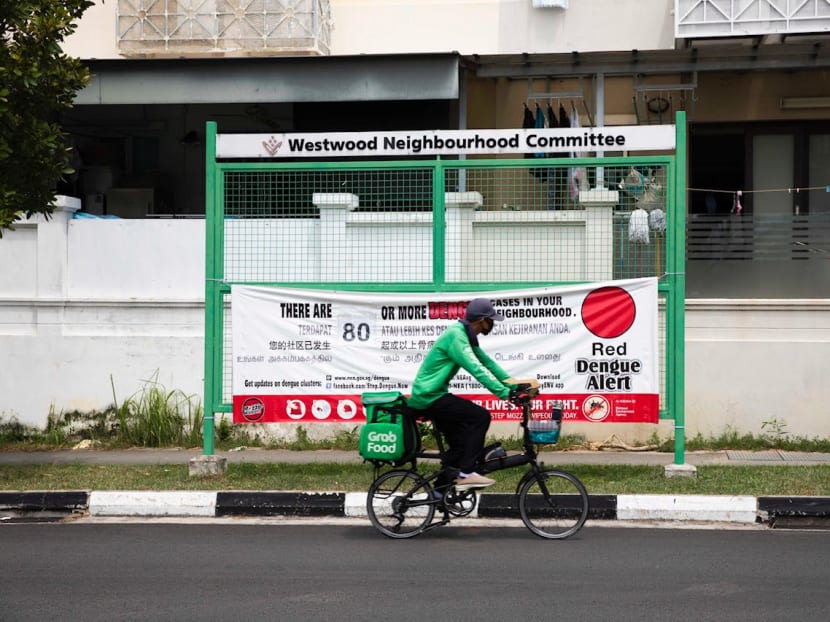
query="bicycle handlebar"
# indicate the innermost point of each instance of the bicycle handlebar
(522, 393)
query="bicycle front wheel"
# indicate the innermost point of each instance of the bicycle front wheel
(553, 504)
(400, 504)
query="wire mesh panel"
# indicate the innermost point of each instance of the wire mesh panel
(440, 224)
(334, 225)
(494, 221)
(546, 224)
(640, 220)
(511, 224)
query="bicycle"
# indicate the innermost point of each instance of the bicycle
(553, 504)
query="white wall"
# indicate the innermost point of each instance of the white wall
(88, 304)
(755, 361)
(82, 301)
(499, 26)
(155, 259)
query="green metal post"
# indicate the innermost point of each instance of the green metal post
(439, 226)
(211, 287)
(678, 293)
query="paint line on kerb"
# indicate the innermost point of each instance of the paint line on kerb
(355, 504)
(148, 503)
(723, 508)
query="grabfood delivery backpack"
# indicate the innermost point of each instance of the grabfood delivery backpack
(390, 434)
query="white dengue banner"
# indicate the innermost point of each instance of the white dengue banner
(308, 355)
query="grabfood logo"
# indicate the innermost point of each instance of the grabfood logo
(253, 409)
(382, 442)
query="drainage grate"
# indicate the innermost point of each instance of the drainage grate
(804, 456)
(754, 456)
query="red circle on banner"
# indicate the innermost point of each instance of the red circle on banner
(253, 409)
(608, 312)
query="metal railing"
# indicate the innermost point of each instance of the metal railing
(223, 26)
(735, 18)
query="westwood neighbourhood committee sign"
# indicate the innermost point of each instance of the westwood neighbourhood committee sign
(446, 142)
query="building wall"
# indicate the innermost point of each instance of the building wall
(80, 307)
(498, 26)
(722, 97)
(93, 308)
(468, 27)
(89, 309)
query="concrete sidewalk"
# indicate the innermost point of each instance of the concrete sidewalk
(772, 511)
(257, 455)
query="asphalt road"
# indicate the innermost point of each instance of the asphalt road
(96, 571)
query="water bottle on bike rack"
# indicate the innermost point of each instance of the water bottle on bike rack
(544, 428)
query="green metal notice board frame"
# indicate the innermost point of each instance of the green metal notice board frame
(258, 211)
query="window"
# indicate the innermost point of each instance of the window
(773, 240)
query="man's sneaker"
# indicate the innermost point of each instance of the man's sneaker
(473, 480)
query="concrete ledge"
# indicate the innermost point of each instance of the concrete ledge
(505, 505)
(354, 504)
(680, 470)
(784, 512)
(145, 503)
(795, 506)
(773, 511)
(253, 503)
(496, 505)
(207, 466)
(58, 501)
(734, 509)
(335, 199)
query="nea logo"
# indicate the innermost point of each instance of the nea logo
(253, 409)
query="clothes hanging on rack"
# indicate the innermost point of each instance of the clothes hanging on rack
(539, 119)
(539, 123)
(554, 123)
(527, 120)
(552, 120)
(564, 119)
(555, 176)
(577, 173)
(737, 208)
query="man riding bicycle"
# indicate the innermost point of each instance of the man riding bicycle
(463, 423)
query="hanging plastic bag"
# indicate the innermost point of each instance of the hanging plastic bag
(638, 226)
(657, 220)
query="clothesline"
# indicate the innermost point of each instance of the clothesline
(790, 190)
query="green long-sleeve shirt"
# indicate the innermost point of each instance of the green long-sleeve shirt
(451, 352)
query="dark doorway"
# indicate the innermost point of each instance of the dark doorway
(717, 162)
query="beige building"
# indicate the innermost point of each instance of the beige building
(753, 78)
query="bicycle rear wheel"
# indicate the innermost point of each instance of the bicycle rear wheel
(553, 504)
(400, 504)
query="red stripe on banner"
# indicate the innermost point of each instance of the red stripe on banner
(598, 407)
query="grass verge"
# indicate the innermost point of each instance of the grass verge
(810, 480)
